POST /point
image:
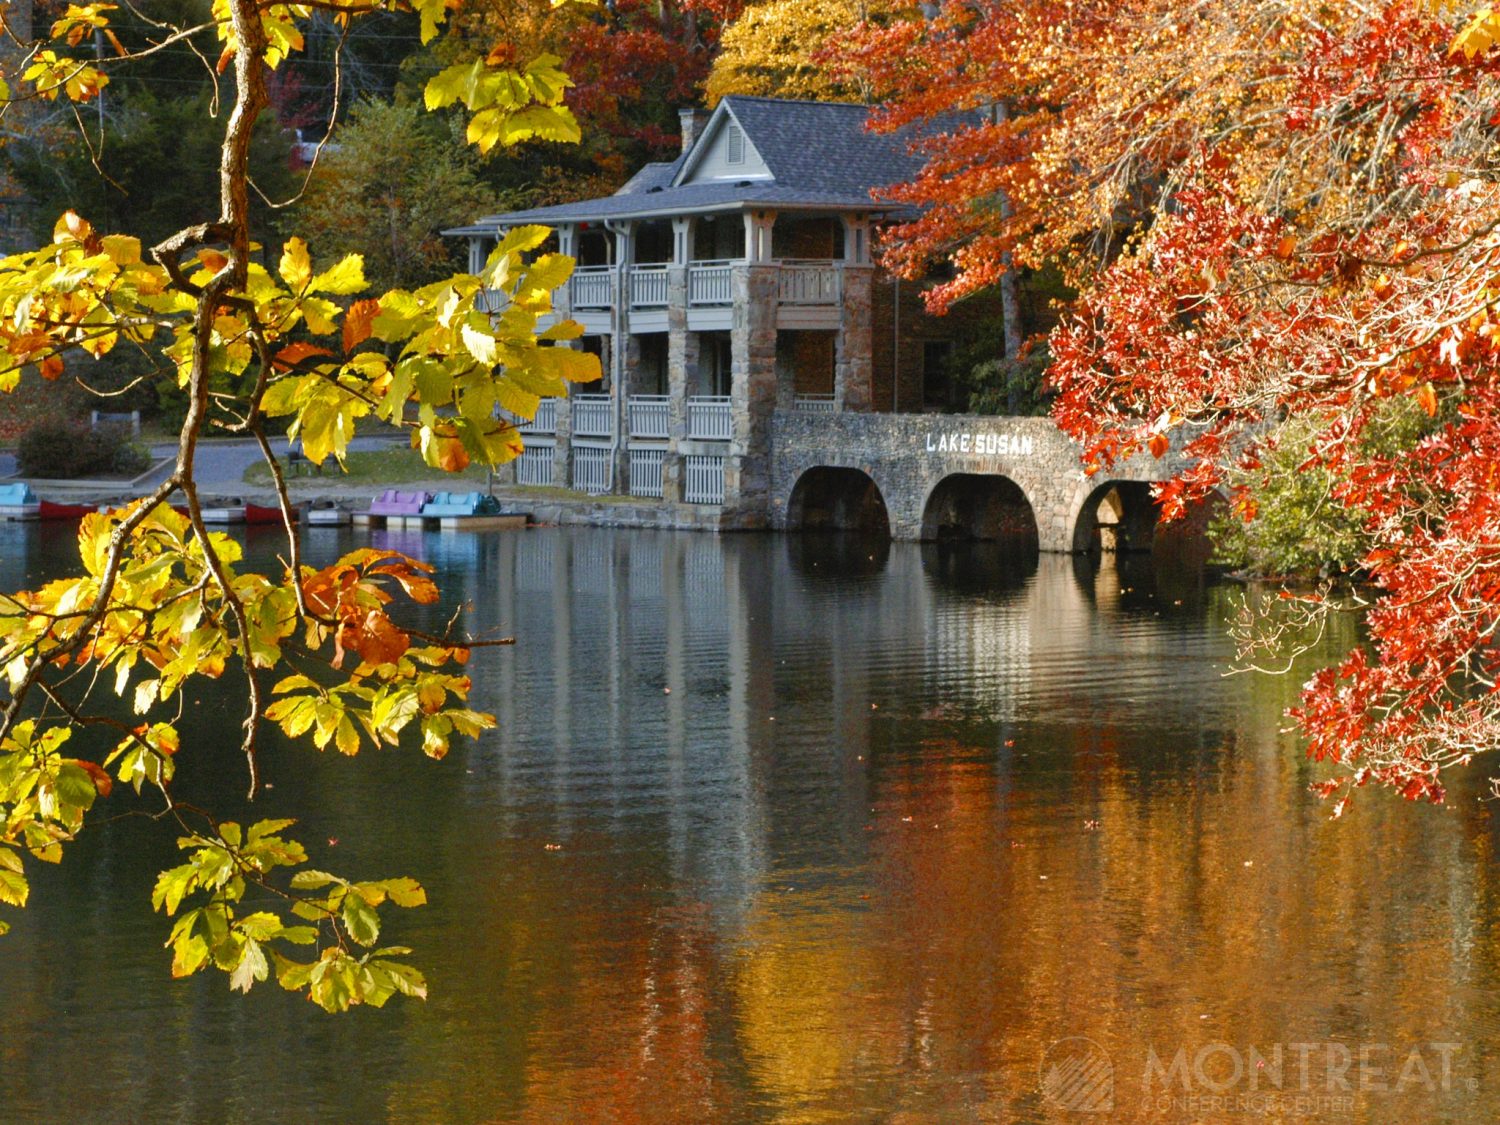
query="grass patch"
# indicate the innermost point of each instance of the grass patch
(394, 466)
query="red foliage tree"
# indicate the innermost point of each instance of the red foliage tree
(1298, 206)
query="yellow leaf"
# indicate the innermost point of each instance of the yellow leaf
(296, 266)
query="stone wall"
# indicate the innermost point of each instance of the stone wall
(909, 455)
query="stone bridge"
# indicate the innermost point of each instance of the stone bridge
(930, 476)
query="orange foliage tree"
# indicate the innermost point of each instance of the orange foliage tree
(1272, 211)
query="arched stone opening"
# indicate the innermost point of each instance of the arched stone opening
(1118, 516)
(984, 507)
(831, 499)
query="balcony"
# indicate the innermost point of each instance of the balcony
(593, 416)
(710, 283)
(590, 287)
(709, 418)
(648, 287)
(650, 417)
(801, 282)
(545, 420)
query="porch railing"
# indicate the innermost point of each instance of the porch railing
(645, 472)
(807, 283)
(593, 416)
(815, 404)
(703, 480)
(650, 417)
(709, 418)
(710, 283)
(590, 287)
(591, 469)
(648, 286)
(535, 465)
(545, 420)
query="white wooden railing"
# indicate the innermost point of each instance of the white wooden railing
(591, 469)
(807, 283)
(709, 418)
(648, 286)
(650, 416)
(593, 416)
(535, 465)
(590, 287)
(545, 420)
(703, 480)
(710, 283)
(815, 404)
(645, 471)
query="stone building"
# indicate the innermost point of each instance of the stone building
(728, 286)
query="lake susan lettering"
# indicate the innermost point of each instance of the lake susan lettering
(990, 445)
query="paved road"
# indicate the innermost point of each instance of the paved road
(222, 464)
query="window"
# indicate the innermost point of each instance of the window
(937, 363)
(735, 144)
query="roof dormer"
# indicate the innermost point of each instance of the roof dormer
(723, 154)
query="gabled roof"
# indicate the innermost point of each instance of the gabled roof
(819, 154)
(818, 146)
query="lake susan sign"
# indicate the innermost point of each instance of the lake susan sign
(984, 444)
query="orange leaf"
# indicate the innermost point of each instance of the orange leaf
(212, 260)
(102, 781)
(451, 456)
(1158, 444)
(1427, 399)
(52, 367)
(376, 639)
(357, 322)
(293, 354)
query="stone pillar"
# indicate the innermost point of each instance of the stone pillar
(853, 356)
(567, 244)
(758, 228)
(682, 357)
(752, 391)
(625, 352)
(562, 452)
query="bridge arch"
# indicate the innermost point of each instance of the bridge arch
(830, 498)
(985, 506)
(1117, 516)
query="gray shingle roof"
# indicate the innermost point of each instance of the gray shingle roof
(819, 154)
(823, 146)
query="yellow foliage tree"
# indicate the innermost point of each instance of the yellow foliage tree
(96, 666)
(774, 50)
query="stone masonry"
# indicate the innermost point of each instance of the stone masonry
(909, 455)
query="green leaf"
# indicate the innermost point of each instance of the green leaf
(251, 968)
(172, 885)
(14, 889)
(361, 920)
(311, 880)
(347, 277)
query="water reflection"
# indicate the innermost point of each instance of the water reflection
(839, 835)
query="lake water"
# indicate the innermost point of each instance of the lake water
(804, 830)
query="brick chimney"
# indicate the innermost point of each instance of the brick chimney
(693, 121)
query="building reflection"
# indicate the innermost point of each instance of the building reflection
(754, 842)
